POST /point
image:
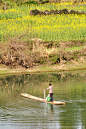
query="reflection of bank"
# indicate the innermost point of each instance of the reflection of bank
(49, 107)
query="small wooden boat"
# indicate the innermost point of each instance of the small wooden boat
(41, 99)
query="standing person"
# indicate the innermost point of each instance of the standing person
(50, 91)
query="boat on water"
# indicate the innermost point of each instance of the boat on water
(41, 99)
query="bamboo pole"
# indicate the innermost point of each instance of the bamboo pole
(44, 94)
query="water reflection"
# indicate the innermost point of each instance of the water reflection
(49, 107)
(19, 112)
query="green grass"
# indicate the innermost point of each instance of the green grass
(74, 48)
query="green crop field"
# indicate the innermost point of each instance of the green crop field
(16, 21)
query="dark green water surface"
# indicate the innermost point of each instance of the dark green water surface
(17, 112)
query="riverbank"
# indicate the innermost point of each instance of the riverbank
(42, 57)
(72, 66)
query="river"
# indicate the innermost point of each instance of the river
(17, 112)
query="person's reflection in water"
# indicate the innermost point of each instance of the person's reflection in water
(50, 107)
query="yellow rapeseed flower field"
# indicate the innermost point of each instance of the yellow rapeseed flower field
(17, 21)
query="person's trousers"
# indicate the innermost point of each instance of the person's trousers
(51, 96)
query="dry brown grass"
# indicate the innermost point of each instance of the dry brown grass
(37, 52)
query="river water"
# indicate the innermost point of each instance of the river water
(17, 112)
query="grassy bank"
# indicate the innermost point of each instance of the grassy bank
(54, 68)
(47, 56)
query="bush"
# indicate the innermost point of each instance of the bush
(54, 58)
